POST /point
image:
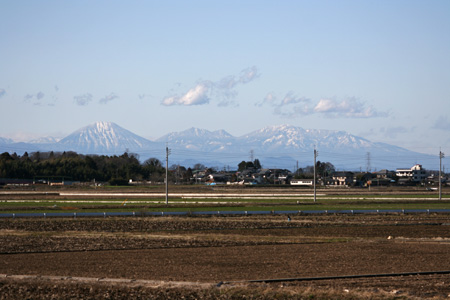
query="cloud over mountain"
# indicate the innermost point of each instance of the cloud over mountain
(108, 98)
(289, 99)
(197, 95)
(276, 146)
(292, 106)
(83, 99)
(347, 108)
(203, 91)
(40, 95)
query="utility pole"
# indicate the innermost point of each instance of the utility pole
(441, 156)
(314, 181)
(167, 174)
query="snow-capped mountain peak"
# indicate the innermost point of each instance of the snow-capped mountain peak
(195, 133)
(278, 146)
(103, 137)
(198, 139)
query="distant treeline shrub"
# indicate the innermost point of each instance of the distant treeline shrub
(78, 167)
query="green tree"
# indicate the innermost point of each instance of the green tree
(242, 166)
(257, 164)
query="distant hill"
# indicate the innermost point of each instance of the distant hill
(198, 139)
(284, 145)
(103, 138)
(275, 146)
(5, 141)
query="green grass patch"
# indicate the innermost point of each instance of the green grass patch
(290, 203)
(195, 208)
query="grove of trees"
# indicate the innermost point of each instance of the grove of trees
(323, 169)
(117, 170)
(78, 167)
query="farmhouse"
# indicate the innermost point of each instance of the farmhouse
(303, 182)
(343, 178)
(415, 173)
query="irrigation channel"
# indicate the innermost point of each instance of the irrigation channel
(245, 213)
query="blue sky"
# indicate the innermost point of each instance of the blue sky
(376, 69)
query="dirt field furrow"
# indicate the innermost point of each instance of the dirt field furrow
(216, 249)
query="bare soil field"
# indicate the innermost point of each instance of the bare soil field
(219, 257)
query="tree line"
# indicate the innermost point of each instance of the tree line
(71, 166)
(117, 170)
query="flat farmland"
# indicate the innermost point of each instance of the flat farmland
(211, 257)
(308, 256)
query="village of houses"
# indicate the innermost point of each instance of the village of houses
(416, 175)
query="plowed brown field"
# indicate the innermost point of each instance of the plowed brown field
(226, 250)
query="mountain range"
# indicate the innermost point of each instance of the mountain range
(282, 146)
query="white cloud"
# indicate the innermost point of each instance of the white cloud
(108, 98)
(83, 100)
(294, 111)
(269, 99)
(226, 103)
(248, 75)
(28, 97)
(289, 106)
(223, 89)
(40, 95)
(293, 106)
(143, 96)
(230, 82)
(348, 108)
(198, 95)
(325, 105)
(290, 98)
(195, 96)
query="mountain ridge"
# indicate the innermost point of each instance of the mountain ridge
(103, 137)
(278, 146)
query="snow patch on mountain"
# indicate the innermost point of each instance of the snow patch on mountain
(280, 146)
(6, 141)
(103, 137)
(44, 140)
